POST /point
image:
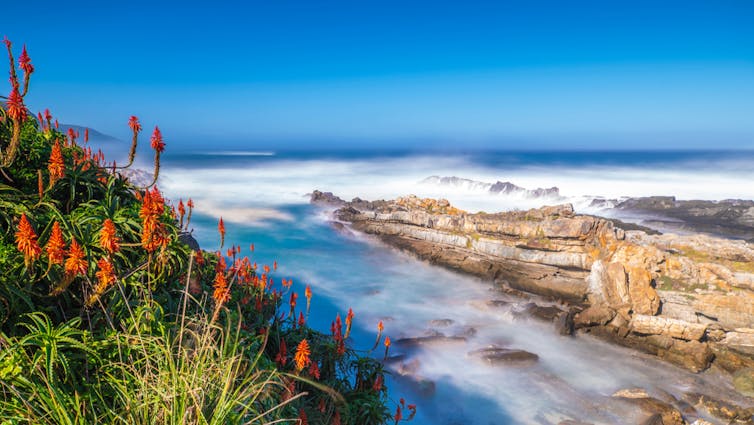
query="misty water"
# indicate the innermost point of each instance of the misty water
(263, 200)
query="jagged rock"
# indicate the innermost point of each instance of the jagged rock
(497, 356)
(565, 323)
(740, 340)
(659, 410)
(325, 198)
(719, 408)
(547, 313)
(594, 315)
(631, 393)
(657, 325)
(668, 295)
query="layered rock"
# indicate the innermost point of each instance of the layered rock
(686, 299)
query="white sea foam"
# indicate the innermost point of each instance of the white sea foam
(288, 181)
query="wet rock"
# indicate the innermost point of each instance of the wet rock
(545, 313)
(441, 323)
(631, 393)
(659, 410)
(719, 408)
(593, 316)
(655, 419)
(498, 303)
(497, 356)
(429, 340)
(565, 324)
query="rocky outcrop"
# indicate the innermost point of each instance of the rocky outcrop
(728, 218)
(686, 299)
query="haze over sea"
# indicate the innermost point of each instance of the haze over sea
(263, 199)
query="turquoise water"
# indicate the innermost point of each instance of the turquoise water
(263, 200)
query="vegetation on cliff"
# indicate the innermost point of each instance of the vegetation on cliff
(107, 315)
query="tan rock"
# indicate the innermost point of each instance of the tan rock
(657, 325)
(644, 297)
(740, 340)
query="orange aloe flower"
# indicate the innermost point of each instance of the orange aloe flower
(275, 265)
(16, 109)
(26, 240)
(157, 144)
(398, 414)
(24, 61)
(221, 229)
(181, 211)
(56, 245)
(108, 239)
(301, 319)
(86, 135)
(349, 320)
(221, 294)
(56, 164)
(301, 358)
(308, 293)
(387, 345)
(76, 262)
(105, 274)
(380, 328)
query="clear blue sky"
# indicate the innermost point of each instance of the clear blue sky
(498, 74)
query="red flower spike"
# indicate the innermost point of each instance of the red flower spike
(76, 262)
(56, 245)
(24, 62)
(134, 124)
(157, 143)
(15, 105)
(26, 240)
(221, 230)
(108, 239)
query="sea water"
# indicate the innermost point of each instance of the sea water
(263, 199)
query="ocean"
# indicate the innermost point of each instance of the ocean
(263, 198)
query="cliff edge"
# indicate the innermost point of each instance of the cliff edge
(686, 299)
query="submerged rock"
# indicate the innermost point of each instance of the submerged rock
(441, 323)
(437, 339)
(497, 356)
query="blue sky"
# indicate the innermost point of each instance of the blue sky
(325, 74)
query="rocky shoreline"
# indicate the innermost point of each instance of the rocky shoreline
(686, 299)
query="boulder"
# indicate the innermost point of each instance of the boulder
(657, 325)
(594, 315)
(497, 356)
(740, 340)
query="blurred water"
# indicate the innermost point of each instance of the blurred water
(263, 201)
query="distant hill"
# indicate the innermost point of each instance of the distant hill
(113, 147)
